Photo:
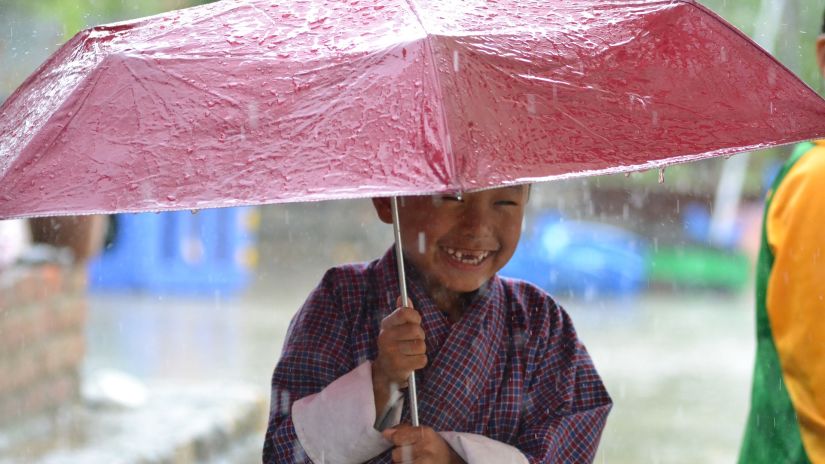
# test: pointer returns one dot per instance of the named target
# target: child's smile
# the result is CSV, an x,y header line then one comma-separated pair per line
x,y
459,243
466,257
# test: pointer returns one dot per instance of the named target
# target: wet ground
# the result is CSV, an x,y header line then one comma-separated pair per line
x,y
677,364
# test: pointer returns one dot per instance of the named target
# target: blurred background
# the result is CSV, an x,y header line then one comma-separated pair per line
x,y
152,337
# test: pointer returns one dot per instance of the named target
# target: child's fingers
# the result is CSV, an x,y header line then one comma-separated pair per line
x,y
415,362
399,305
405,434
405,333
401,316
412,347
405,454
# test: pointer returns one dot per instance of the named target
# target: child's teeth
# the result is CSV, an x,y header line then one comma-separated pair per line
x,y
468,258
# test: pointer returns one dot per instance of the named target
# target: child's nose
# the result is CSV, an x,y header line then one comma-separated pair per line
x,y
473,220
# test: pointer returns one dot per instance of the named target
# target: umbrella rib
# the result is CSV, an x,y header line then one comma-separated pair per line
x,y
74,113
448,148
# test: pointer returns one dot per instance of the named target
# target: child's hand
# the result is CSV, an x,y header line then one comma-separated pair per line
x,y
419,445
401,347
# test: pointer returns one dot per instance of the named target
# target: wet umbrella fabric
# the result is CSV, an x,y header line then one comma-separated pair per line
x,y
250,102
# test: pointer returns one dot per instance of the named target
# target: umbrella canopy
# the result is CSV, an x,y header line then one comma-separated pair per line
x,y
249,102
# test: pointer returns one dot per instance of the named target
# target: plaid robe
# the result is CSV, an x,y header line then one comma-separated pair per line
x,y
512,369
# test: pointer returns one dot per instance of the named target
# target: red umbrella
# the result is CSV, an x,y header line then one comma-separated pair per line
x,y
248,102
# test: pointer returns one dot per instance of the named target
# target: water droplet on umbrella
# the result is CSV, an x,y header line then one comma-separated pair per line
x,y
661,175
531,103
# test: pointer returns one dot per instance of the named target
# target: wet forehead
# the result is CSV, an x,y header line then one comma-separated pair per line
x,y
511,189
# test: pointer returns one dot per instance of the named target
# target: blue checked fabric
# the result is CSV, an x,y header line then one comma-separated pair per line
x,y
511,369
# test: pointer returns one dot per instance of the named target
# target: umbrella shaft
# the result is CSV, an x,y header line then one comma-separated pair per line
x,y
402,282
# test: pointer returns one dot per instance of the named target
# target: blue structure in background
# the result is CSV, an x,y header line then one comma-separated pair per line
x,y
179,252
584,259
696,218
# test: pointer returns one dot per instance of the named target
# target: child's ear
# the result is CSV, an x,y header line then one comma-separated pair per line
x,y
383,209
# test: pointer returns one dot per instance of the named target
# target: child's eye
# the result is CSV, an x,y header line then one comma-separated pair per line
x,y
451,198
506,203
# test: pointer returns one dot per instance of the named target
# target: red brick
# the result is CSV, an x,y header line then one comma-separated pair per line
x,y
6,299
11,408
34,398
24,371
50,393
42,338
75,281
52,277
11,331
64,389
69,313
29,287
24,326
63,352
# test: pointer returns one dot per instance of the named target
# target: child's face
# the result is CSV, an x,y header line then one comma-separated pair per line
x,y
460,244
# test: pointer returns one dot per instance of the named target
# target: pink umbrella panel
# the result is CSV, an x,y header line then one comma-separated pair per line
x,y
252,102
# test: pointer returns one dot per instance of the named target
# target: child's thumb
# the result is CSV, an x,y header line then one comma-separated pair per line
x,y
399,304
387,434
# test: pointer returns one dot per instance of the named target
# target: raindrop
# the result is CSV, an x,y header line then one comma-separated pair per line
x,y
298,454
455,61
285,402
406,453
422,242
771,76
531,103
661,175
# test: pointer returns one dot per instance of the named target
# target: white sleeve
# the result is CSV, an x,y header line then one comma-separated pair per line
x,y
337,424
478,449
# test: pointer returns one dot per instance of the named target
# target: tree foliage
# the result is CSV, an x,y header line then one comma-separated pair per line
x,y
75,15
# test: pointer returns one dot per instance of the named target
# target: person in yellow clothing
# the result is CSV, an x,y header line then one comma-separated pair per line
x,y
787,418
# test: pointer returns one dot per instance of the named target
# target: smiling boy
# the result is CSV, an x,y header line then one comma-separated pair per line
x,y
501,375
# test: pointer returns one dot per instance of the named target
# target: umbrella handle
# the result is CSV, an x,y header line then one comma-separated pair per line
x,y
405,300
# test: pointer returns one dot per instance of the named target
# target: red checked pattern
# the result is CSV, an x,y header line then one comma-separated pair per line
x,y
511,369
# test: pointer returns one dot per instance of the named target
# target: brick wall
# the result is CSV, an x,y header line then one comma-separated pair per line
x,y
42,340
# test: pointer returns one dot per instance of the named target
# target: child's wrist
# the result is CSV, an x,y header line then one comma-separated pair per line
x,y
380,387
379,379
